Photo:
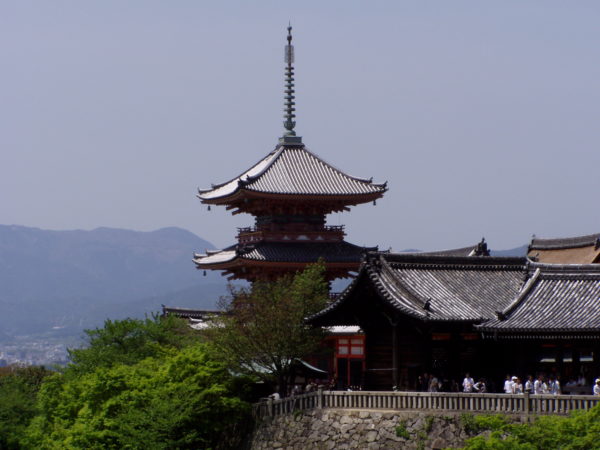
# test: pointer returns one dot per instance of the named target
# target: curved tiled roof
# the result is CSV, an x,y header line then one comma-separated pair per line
x,y
559,299
440,288
563,243
479,249
301,252
293,170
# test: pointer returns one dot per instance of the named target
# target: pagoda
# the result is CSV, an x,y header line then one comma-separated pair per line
x,y
289,192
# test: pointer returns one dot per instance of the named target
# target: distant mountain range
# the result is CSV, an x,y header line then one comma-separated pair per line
x,y
76,279
519,251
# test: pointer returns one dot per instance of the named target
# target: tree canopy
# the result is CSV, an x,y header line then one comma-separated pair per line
x,y
264,330
184,400
128,341
139,384
18,389
578,431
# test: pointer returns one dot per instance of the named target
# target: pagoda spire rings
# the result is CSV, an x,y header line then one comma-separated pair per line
x,y
289,135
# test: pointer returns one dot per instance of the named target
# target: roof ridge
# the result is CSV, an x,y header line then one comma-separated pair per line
x,y
566,242
574,269
272,154
455,261
525,290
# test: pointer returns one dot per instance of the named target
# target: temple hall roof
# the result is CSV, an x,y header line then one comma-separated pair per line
x,y
556,299
573,250
439,288
479,249
293,170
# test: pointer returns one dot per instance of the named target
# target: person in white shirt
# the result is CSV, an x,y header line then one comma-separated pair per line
x,y
545,387
518,386
554,386
529,385
480,386
596,390
538,387
508,385
468,383
433,384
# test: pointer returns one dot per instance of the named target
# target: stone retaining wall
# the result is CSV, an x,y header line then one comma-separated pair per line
x,y
361,429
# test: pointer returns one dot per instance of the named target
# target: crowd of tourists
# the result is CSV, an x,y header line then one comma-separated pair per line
x,y
548,385
542,384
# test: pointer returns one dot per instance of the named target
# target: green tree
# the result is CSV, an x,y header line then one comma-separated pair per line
x,y
18,390
180,399
129,341
264,330
578,431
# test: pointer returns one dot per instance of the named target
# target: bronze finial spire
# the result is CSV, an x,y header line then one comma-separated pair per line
x,y
289,136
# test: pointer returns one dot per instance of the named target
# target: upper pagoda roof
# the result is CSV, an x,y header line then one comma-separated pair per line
x,y
292,171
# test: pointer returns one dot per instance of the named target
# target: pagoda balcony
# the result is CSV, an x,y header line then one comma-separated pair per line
x,y
329,233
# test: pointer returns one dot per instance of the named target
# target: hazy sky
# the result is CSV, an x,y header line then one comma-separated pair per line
x,y
482,116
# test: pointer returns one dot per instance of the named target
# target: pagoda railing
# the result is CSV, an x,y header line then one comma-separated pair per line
x,y
256,234
326,228
523,404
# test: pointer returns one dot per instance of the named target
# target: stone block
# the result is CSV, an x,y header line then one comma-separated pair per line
x,y
371,436
345,419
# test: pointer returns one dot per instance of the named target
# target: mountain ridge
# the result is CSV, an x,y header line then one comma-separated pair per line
x,y
63,276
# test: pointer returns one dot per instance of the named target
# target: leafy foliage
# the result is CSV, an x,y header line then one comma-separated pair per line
x,y
401,431
578,431
264,330
177,401
140,384
18,389
129,341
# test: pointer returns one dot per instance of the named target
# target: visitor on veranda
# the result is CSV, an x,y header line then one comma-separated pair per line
x,y
468,383
529,385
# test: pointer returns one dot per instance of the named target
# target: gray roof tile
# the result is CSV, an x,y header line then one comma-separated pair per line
x,y
294,171
562,243
440,288
561,298
332,252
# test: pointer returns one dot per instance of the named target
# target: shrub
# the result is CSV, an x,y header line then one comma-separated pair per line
x,y
401,431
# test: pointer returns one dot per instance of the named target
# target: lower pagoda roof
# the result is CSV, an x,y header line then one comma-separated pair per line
x,y
281,252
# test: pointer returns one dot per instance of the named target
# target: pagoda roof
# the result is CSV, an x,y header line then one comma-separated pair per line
x,y
190,313
292,170
557,299
282,252
437,288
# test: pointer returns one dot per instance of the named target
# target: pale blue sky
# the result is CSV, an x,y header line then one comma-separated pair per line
x,y
482,116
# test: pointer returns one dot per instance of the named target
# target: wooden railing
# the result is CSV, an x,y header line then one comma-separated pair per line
x,y
523,404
